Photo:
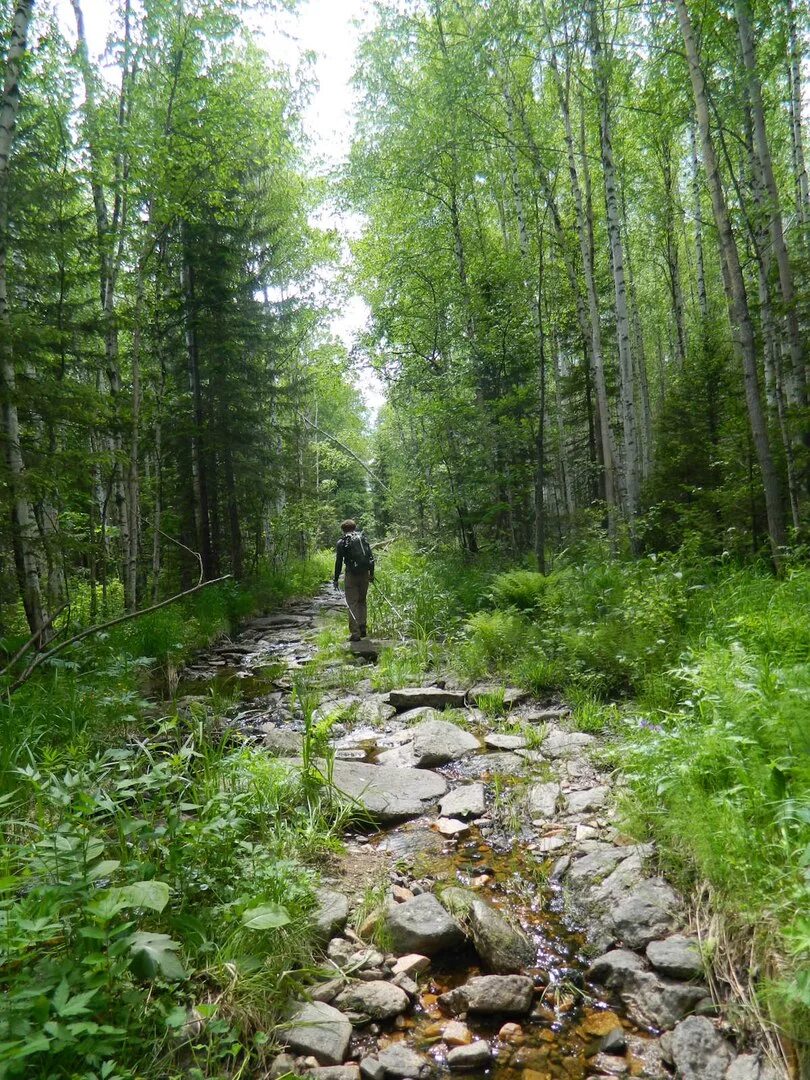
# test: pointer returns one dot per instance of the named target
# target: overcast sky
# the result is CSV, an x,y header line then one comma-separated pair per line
x,y
330,29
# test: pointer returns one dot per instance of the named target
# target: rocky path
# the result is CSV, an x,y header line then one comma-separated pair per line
x,y
518,934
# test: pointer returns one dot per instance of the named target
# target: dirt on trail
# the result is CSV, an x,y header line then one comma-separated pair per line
x,y
517,933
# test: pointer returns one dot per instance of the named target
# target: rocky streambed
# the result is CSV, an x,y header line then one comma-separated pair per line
x,y
516,933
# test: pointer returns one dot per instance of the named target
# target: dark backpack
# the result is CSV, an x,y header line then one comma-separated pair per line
x,y
357,552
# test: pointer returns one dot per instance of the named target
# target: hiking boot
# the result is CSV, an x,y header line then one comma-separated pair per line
x,y
363,632
354,637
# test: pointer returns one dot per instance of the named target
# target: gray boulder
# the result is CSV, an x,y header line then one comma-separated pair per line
x,y
502,947
491,994
464,801
651,1001
651,910
387,794
565,744
542,799
374,710
401,1062
335,1072
376,1000
501,763
320,1031
435,697
496,741
749,1067
331,913
512,695
436,742
699,1051
473,1056
677,956
582,802
422,926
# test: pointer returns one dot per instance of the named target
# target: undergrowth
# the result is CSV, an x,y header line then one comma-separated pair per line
x,y
156,875
698,671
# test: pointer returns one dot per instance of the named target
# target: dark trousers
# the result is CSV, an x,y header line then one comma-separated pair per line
x,y
356,592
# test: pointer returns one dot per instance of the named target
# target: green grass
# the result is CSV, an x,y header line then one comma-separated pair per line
x,y
697,672
156,876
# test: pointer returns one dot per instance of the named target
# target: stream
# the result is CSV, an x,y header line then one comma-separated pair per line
x,y
542,849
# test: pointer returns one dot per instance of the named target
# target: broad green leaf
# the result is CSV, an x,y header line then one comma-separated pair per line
x,y
153,955
265,917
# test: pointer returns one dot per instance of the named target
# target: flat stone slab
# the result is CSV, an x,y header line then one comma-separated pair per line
x,y
386,792
411,697
281,742
502,762
371,647
565,744
542,799
581,802
437,742
320,1031
512,695
496,741
464,801
491,994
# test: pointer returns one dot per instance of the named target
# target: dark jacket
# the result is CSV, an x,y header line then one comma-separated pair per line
x,y
340,558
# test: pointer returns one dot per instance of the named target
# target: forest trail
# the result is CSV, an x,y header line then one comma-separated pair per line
x,y
514,930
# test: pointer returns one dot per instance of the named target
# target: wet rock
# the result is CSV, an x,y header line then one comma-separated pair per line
x,y
411,964
399,1061
582,802
422,926
377,1000
374,711
542,799
489,994
335,1072
699,1051
349,954
511,1033
320,1030
464,801
437,742
432,696
609,1065
565,744
503,763
647,1054
677,956
502,947
546,844
331,913
455,1033
452,827
476,1055
372,1069
387,794
495,741
614,1041
651,1000
481,692
649,911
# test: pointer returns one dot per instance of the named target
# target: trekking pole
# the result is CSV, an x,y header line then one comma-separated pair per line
x,y
346,602
397,613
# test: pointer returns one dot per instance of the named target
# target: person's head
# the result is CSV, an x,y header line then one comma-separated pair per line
x,y
349,525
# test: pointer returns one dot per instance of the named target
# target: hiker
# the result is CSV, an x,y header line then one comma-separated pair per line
x,y
355,551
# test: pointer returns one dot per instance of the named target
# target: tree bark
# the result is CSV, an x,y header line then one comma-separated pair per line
x,y
797,384
736,297
796,128
703,302
23,521
626,379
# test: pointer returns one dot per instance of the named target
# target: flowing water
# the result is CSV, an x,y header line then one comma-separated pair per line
x,y
503,860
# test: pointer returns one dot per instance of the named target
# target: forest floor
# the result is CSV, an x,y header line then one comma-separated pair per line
x,y
486,912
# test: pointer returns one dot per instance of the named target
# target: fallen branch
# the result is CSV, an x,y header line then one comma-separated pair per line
x,y
42,657
348,450
20,653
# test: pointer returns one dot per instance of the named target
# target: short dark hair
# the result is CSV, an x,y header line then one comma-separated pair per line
x,y
349,525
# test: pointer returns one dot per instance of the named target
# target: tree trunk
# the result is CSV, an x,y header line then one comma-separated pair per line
x,y
736,297
202,521
671,243
797,384
626,379
23,521
796,129
703,302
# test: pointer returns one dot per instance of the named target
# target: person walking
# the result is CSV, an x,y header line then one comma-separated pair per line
x,y
354,550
